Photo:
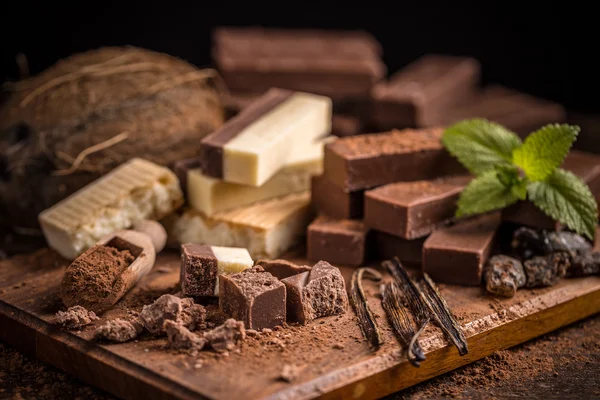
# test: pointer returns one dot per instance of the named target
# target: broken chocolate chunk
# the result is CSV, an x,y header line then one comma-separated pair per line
x,y
584,265
504,275
119,330
320,292
168,307
282,269
542,271
226,336
75,317
180,337
253,296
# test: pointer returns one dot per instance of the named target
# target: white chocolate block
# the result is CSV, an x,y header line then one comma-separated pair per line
x,y
136,190
267,228
231,260
209,195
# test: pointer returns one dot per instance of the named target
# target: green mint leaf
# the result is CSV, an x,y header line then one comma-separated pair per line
x,y
480,145
485,193
567,199
544,150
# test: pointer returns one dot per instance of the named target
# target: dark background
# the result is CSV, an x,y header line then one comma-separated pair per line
x,y
537,48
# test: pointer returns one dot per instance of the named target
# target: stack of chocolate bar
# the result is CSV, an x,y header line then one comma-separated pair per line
x,y
343,65
438,90
249,186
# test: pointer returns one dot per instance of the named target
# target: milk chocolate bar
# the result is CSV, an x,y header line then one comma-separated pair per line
x,y
201,266
210,196
584,165
320,292
412,210
346,125
253,296
386,247
338,241
458,253
334,201
136,190
335,64
251,147
366,161
267,228
516,111
281,269
422,89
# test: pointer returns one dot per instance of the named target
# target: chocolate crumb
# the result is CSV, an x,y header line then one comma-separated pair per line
x,y
180,337
252,332
119,330
290,373
169,307
75,317
226,336
338,346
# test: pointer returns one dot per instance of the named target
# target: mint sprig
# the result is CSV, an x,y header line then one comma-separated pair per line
x,y
507,170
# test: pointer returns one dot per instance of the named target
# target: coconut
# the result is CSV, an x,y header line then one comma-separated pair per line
x,y
91,112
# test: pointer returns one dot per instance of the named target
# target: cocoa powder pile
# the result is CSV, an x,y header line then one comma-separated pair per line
x,y
96,276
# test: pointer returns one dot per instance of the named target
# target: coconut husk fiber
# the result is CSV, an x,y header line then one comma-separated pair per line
x,y
91,112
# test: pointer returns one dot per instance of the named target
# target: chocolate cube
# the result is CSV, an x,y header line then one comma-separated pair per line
x,y
320,292
339,241
253,296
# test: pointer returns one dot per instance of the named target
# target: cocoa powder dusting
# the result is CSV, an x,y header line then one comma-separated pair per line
x,y
95,277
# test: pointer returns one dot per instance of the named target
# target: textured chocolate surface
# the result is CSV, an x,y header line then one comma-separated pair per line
x,y
211,147
334,201
386,246
413,209
318,293
338,241
254,297
458,253
282,269
199,270
367,161
517,111
423,89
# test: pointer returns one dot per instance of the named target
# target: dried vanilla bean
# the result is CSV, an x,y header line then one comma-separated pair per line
x,y
402,323
366,320
442,315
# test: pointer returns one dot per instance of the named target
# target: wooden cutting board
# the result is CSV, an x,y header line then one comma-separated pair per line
x,y
333,360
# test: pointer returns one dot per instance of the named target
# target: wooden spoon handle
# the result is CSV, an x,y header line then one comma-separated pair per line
x,y
156,232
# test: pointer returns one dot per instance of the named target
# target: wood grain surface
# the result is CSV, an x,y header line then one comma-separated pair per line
x,y
29,299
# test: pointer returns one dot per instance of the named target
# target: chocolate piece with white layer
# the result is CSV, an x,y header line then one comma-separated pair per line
x,y
412,210
317,293
253,296
201,266
338,241
282,269
458,253
422,90
334,201
251,147
366,161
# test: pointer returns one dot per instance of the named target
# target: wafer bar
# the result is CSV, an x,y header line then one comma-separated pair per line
x,y
338,241
136,190
423,89
366,161
251,147
517,111
334,201
412,210
267,228
458,253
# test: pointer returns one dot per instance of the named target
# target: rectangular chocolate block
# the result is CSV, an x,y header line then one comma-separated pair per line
x,y
422,89
346,125
253,296
282,269
388,246
584,165
320,292
517,111
457,254
201,266
334,64
412,210
267,228
334,201
251,147
366,161
338,241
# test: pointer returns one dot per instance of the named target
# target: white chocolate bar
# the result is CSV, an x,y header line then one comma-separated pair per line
x,y
136,190
267,228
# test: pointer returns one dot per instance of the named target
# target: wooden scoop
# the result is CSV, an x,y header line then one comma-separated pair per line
x,y
90,283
